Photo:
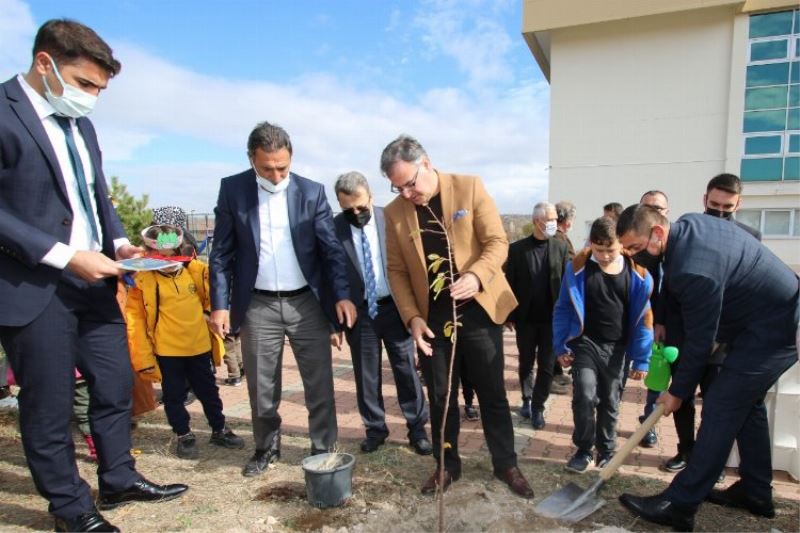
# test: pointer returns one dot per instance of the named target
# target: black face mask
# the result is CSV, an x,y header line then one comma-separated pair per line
x,y
358,220
645,258
719,214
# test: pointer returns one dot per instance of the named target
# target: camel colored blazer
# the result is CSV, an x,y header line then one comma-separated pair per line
x,y
480,246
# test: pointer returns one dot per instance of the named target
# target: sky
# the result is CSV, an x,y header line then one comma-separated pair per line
x,y
344,78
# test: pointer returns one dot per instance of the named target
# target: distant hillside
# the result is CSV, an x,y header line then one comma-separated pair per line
x,y
517,226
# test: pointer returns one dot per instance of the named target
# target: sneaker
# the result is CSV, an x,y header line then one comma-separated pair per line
x,y
676,464
525,409
227,439
579,462
471,413
603,458
233,382
187,447
650,438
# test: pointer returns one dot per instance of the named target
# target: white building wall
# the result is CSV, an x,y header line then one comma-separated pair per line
x,y
643,104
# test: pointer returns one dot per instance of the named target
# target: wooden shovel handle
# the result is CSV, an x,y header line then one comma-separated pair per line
x,y
611,468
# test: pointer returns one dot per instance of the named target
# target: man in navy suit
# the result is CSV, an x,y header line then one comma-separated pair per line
x,y
732,289
59,236
278,270
360,228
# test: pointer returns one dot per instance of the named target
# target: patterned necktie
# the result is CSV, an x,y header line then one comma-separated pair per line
x,y
369,277
80,177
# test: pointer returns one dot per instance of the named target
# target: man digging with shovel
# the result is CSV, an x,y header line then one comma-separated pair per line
x,y
731,288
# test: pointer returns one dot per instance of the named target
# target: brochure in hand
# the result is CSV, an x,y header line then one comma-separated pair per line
x,y
139,264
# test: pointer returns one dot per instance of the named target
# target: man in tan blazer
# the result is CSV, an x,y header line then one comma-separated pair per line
x,y
431,202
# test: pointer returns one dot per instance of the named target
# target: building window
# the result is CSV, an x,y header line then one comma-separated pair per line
x,y
771,126
772,222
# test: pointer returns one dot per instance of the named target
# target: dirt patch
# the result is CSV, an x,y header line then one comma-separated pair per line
x,y
385,498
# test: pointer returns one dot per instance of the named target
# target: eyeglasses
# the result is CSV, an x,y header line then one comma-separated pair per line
x,y
410,185
658,208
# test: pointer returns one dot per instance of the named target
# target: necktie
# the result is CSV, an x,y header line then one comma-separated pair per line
x,y
369,277
80,176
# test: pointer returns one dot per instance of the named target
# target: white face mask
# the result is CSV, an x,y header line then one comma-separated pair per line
x,y
268,186
550,228
73,102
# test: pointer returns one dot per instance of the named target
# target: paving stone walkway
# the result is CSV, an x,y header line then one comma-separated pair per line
x,y
553,443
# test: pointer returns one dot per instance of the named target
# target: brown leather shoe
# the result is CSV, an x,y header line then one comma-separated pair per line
x,y
430,486
516,482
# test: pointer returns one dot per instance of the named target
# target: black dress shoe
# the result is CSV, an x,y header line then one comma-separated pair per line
x,y
370,444
677,463
737,496
141,491
659,510
91,521
422,446
260,461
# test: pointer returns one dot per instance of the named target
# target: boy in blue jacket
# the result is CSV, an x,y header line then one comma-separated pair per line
x,y
602,313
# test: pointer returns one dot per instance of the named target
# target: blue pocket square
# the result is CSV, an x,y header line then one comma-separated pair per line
x,y
460,214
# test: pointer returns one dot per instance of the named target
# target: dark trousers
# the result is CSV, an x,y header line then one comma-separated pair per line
x,y
596,377
80,327
734,410
535,344
467,390
198,370
365,339
481,349
685,415
650,398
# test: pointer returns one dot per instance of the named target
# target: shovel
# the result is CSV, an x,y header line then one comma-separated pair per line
x,y
571,503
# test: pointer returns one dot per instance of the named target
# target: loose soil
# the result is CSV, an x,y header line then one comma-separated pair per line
x,y
385,498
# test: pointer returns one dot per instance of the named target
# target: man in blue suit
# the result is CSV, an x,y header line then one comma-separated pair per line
x,y
59,236
278,270
729,288
360,228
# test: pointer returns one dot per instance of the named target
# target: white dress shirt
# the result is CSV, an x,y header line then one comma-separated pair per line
x,y
278,268
371,231
81,232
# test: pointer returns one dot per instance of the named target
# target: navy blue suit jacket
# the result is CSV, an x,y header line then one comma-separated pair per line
x,y
730,287
237,240
354,274
35,212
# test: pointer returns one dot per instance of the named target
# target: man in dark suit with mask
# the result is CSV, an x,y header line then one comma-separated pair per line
x,y
361,229
59,236
731,288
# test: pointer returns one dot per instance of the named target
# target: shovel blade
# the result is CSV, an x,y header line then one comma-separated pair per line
x,y
561,504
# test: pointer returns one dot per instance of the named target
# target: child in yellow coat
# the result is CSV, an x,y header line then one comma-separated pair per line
x,y
170,340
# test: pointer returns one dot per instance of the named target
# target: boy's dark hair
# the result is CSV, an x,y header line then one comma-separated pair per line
x,y
66,41
640,219
725,182
268,137
603,231
614,208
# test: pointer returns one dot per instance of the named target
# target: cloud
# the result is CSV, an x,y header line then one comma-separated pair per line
x,y
335,124
17,29
465,31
